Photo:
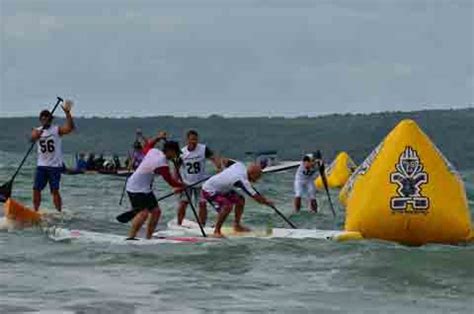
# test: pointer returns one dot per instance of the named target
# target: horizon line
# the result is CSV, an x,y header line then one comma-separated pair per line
x,y
224,116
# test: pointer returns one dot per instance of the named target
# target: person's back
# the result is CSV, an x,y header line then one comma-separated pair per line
x,y
219,190
225,181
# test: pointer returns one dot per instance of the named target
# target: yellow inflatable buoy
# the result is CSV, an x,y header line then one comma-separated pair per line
x,y
406,191
338,172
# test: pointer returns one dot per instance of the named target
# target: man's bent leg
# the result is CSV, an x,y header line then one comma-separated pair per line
x,y
181,211
239,210
221,217
202,213
153,221
137,223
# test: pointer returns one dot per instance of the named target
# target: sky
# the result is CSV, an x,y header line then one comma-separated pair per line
x,y
235,57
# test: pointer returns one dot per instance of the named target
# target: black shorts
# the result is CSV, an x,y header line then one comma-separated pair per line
x,y
142,201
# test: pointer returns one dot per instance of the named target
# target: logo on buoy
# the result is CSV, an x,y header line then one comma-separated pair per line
x,y
409,176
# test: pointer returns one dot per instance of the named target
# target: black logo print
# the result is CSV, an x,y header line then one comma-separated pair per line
x,y
409,176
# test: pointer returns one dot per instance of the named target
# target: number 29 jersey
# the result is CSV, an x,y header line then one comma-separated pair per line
x,y
49,148
193,167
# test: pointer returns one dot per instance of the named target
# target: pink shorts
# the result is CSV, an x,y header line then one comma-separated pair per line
x,y
222,200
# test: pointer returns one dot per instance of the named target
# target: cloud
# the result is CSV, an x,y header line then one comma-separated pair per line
x,y
28,26
244,57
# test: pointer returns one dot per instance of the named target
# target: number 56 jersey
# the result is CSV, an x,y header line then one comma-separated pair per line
x,y
49,148
193,168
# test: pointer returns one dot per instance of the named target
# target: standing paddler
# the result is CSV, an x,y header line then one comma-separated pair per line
x,y
193,169
220,190
140,186
304,182
50,155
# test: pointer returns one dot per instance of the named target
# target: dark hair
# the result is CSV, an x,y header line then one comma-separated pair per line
x,y
46,114
173,146
191,132
137,145
306,158
317,155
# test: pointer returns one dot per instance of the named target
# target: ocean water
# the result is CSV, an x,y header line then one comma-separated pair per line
x,y
238,275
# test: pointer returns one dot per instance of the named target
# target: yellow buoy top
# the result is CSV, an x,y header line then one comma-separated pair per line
x,y
338,172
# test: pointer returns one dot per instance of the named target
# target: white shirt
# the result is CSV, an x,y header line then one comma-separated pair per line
x,y
194,164
227,180
50,152
305,175
141,180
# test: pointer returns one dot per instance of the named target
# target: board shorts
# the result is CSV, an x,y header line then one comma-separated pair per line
x,y
195,195
45,175
303,188
220,200
141,201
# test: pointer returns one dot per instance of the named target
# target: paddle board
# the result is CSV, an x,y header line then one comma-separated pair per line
x,y
83,236
284,165
189,227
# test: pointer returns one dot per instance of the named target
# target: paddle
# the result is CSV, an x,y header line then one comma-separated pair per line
x,y
130,165
190,201
322,173
277,211
6,189
129,215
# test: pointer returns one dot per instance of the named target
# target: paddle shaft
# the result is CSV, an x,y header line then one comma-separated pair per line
x,y
187,187
60,100
126,180
278,212
186,192
322,172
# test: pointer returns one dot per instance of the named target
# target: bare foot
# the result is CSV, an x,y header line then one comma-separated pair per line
x,y
240,228
218,235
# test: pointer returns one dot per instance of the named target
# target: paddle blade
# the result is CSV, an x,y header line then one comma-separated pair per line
x,y
5,191
127,216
